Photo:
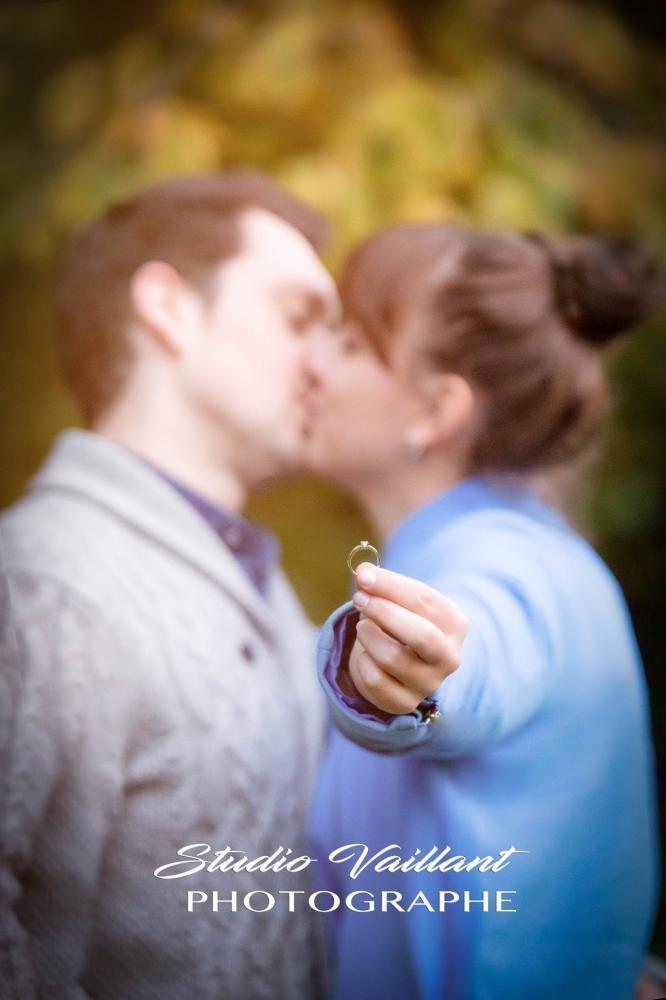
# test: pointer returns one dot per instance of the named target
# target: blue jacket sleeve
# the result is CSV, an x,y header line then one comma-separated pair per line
x,y
357,718
504,676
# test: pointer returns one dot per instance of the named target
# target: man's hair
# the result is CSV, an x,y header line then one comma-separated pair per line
x,y
191,223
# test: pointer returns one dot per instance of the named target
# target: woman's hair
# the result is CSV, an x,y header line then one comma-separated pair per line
x,y
519,316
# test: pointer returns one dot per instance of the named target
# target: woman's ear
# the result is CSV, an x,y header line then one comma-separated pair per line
x,y
450,409
164,304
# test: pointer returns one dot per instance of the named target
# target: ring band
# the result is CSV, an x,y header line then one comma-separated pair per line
x,y
362,547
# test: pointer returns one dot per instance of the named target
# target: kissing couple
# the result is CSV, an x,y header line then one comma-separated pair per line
x,y
162,687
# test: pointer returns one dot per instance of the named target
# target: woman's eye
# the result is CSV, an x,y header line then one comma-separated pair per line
x,y
349,344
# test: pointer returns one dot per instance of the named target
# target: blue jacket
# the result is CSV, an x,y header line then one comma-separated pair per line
x,y
542,744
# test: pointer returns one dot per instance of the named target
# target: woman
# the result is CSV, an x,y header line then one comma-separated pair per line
x,y
467,369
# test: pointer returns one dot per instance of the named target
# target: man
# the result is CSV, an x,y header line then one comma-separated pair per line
x,y
158,684
161,692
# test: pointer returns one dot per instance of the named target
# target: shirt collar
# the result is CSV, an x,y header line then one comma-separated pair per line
x,y
255,548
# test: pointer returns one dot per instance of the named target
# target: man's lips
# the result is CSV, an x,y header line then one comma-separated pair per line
x,y
310,404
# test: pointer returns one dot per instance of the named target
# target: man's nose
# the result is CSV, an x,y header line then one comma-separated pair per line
x,y
316,350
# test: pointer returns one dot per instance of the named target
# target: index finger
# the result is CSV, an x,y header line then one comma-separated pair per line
x,y
414,595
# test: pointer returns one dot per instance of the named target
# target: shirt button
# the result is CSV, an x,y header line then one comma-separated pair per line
x,y
247,652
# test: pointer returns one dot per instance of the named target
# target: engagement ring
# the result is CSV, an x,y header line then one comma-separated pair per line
x,y
362,547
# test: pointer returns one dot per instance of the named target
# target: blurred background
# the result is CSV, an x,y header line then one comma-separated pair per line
x,y
505,113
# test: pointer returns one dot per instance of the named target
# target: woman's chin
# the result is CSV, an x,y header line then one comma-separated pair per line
x,y
317,460
322,461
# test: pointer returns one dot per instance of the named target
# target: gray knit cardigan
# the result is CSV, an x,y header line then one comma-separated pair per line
x,y
149,699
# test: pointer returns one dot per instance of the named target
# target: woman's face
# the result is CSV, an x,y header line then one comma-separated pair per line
x,y
361,408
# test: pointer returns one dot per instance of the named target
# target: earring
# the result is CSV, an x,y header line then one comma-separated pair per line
x,y
414,447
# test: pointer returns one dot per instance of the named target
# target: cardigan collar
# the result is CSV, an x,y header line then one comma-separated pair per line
x,y
110,476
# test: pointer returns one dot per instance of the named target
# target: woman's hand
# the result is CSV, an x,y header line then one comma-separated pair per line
x,y
409,638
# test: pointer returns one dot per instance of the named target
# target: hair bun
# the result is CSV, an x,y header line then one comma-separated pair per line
x,y
603,287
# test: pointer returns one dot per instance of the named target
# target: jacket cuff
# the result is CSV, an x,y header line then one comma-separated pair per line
x,y
355,717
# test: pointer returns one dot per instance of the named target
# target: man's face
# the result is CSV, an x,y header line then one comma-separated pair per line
x,y
247,369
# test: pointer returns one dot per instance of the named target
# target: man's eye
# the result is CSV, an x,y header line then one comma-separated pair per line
x,y
298,321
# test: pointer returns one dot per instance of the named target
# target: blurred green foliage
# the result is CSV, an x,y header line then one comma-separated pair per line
x,y
500,112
